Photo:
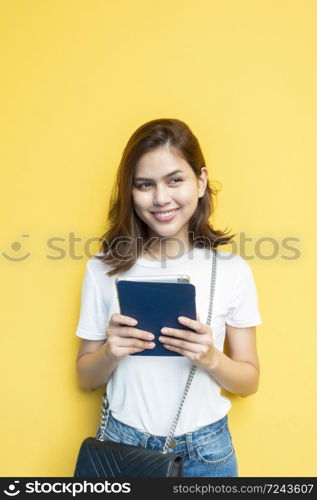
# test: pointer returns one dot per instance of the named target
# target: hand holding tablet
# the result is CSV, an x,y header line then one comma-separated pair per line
x,y
157,304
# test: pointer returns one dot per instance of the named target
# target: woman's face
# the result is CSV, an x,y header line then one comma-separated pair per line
x,y
162,189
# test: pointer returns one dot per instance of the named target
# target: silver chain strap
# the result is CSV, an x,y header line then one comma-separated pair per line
x,y
105,404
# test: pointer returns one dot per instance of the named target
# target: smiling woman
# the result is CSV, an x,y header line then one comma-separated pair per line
x,y
163,198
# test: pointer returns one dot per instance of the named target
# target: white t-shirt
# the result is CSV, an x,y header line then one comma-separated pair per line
x,y
145,391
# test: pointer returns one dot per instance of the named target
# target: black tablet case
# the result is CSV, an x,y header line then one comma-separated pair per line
x,y
155,305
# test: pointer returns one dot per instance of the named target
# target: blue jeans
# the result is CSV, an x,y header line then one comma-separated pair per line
x,y
208,452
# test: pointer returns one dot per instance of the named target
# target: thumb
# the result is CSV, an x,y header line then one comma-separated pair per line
x,y
198,317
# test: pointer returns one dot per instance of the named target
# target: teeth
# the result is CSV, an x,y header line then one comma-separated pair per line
x,y
166,214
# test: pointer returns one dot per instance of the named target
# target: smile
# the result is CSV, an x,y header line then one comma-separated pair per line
x,y
164,216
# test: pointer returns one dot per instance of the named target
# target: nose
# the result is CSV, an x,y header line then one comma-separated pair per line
x,y
161,196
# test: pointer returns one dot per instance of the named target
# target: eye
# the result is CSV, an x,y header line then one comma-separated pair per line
x,y
145,183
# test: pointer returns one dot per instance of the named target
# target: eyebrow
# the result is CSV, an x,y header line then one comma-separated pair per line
x,y
168,175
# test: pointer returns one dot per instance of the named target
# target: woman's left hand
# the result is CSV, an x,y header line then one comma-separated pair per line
x,y
196,346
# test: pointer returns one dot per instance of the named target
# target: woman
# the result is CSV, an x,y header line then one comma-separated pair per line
x,y
159,225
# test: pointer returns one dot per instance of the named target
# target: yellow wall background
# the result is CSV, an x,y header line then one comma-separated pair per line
x,y
77,78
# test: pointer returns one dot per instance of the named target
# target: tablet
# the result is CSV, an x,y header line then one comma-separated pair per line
x,y
154,305
168,278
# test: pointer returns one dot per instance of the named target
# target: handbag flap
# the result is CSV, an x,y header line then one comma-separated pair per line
x,y
111,459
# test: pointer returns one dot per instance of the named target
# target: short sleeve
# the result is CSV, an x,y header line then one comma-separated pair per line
x,y
93,311
243,308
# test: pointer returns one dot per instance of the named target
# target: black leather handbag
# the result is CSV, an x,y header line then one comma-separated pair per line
x,y
102,458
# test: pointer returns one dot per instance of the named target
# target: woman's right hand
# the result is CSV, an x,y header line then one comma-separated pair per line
x,y
123,338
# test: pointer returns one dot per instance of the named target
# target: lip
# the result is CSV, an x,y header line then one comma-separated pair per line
x,y
166,219
164,211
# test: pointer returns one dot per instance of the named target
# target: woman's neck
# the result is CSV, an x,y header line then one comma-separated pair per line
x,y
164,252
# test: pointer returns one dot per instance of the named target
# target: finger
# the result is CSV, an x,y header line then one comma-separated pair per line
x,y
198,317
133,332
140,344
183,334
122,351
120,319
182,344
190,355
193,324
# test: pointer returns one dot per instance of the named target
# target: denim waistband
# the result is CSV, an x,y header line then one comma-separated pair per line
x,y
201,436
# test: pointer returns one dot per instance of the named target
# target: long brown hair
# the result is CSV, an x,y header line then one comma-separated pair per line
x,y
126,227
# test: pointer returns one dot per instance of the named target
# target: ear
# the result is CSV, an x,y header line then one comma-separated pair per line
x,y
202,181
